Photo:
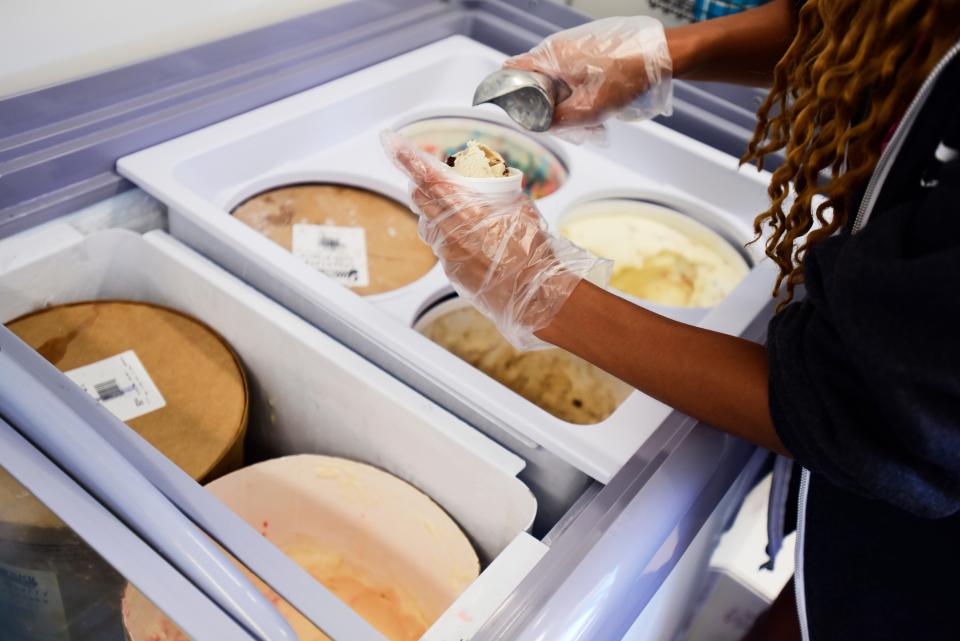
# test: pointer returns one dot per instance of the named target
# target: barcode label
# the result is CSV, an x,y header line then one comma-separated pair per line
x,y
338,252
121,384
107,390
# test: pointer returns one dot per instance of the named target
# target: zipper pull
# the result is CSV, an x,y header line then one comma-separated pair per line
x,y
942,156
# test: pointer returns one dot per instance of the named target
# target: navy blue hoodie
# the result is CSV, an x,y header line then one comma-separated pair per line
x,y
865,393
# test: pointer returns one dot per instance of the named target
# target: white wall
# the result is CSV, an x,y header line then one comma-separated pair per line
x,y
605,8
43,42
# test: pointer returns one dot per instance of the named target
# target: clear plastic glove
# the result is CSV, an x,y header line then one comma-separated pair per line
x,y
494,248
615,67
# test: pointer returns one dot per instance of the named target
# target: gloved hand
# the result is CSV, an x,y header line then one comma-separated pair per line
x,y
494,248
615,67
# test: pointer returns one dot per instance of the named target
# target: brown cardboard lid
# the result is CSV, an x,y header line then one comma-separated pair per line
x,y
201,428
395,254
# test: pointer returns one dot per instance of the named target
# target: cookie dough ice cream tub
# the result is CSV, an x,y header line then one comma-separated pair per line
x,y
558,382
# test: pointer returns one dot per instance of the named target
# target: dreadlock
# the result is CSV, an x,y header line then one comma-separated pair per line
x,y
848,75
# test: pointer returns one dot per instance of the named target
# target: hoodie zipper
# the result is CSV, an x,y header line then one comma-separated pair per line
x,y
798,586
896,142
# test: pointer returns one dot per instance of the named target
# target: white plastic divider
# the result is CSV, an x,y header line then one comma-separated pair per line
x,y
329,133
479,601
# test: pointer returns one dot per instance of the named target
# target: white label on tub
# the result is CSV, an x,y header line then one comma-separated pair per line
x,y
30,600
338,252
121,384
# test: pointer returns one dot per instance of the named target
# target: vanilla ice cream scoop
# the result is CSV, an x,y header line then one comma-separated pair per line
x,y
477,160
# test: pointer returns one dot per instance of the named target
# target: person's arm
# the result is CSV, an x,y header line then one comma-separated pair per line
x,y
500,257
742,48
622,66
719,379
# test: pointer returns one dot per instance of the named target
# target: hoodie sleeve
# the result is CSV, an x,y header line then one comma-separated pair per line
x,y
865,371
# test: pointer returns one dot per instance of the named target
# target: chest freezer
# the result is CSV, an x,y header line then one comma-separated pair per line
x,y
311,394
578,534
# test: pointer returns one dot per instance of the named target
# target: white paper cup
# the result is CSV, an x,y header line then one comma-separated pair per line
x,y
512,183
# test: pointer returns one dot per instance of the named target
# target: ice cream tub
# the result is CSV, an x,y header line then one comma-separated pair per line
x,y
378,543
558,382
364,239
170,377
661,255
173,380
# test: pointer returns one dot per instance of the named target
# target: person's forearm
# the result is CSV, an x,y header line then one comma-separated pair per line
x,y
713,377
742,48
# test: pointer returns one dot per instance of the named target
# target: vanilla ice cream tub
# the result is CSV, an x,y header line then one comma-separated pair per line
x,y
660,255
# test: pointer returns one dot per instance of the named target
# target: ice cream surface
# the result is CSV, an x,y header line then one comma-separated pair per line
x,y
477,160
392,611
678,265
388,608
382,547
564,385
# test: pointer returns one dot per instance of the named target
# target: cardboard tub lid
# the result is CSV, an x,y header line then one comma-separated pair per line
x,y
396,256
202,425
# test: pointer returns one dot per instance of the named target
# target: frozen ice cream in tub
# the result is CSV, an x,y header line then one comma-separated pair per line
x,y
484,170
379,544
660,255
558,382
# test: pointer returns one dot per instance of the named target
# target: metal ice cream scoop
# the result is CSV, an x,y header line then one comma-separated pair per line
x,y
527,96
